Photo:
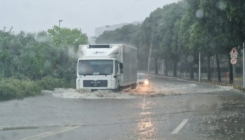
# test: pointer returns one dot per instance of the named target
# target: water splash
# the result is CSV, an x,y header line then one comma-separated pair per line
x,y
87,94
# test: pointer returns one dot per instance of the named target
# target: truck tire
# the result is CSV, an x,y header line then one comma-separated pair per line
x,y
117,89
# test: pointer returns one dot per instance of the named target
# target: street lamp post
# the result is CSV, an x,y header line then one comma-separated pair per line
x,y
107,27
10,29
60,22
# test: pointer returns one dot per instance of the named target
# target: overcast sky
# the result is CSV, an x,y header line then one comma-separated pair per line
x,y
37,15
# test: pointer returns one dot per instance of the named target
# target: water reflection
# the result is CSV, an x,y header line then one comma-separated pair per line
x,y
228,121
145,128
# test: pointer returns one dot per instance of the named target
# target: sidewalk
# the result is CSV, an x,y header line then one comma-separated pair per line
x,y
238,83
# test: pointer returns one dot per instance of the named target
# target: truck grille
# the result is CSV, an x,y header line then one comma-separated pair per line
x,y
95,83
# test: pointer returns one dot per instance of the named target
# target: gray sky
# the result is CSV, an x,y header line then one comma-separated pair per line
x,y
37,15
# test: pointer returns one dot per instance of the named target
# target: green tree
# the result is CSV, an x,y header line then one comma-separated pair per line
x,y
171,44
123,35
67,37
219,34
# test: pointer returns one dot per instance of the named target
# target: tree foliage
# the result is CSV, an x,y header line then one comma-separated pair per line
x,y
186,28
66,36
34,56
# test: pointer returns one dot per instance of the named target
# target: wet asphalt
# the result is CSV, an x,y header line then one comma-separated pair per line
x,y
190,111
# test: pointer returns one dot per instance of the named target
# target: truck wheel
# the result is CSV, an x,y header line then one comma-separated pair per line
x,y
117,89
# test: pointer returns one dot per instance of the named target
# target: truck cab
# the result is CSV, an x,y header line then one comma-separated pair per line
x,y
101,67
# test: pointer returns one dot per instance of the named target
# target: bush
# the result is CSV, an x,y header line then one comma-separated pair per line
x,y
15,88
50,83
11,88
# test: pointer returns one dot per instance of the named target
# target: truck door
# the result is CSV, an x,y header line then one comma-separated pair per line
x,y
117,73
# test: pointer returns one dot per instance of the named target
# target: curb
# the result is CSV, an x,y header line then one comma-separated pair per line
x,y
5,128
238,87
18,127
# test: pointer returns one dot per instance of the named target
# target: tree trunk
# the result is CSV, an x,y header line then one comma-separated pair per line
x,y
191,71
209,69
218,67
175,69
166,67
231,81
156,67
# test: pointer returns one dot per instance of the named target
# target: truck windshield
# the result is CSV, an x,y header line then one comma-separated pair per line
x,y
95,67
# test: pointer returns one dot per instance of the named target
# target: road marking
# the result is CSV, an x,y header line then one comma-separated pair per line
x,y
143,106
181,125
46,134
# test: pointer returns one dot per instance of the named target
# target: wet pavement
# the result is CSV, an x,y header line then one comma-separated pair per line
x,y
170,109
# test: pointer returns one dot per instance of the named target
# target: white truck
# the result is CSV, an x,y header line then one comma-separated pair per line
x,y
106,67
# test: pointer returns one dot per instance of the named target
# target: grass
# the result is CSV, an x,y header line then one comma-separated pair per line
x,y
12,88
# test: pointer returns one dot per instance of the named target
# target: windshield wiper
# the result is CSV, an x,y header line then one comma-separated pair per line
x,y
104,74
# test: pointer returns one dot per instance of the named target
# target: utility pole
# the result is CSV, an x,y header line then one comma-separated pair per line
x,y
150,49
199,71
149,58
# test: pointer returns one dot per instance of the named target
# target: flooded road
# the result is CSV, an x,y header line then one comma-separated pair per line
x,y
168,109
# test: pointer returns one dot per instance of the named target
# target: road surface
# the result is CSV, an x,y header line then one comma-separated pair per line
x,y
171,109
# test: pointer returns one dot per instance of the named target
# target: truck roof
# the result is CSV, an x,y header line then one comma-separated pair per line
x,y
101,50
